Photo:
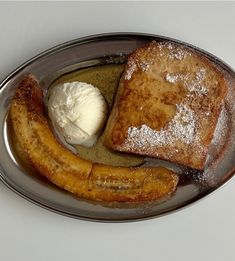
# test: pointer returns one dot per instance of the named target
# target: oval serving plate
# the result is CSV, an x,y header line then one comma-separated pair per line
x,y
98,50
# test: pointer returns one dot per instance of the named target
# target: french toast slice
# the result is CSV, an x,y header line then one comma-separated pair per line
x,y
167,105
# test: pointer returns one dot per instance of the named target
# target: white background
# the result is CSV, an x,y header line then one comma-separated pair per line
x,y
204,231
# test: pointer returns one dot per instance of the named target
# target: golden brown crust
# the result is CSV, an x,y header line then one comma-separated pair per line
x,y
70,172
167,104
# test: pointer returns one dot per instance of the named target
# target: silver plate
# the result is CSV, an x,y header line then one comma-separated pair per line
x,y
102,49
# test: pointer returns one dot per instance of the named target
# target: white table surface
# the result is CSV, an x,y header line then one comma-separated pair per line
x,y
204,231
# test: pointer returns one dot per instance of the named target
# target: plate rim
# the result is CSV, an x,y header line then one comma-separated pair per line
x,y
94,37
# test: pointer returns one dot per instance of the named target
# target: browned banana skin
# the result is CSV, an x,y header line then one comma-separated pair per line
x,y
81,177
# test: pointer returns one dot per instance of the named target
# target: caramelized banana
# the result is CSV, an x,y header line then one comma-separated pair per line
x,y
63,168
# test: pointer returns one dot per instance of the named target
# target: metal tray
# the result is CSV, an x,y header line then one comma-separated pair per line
x,y
96,50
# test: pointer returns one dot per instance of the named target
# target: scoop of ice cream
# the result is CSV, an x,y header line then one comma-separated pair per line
x,y
79,111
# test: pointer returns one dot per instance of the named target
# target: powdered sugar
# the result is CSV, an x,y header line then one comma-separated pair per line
x,y
175,52
182,127
221,127
174,77
144,66
184,124
132,67
196,85
178,54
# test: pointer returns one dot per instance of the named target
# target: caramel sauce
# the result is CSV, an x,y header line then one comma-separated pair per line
x,y
106,78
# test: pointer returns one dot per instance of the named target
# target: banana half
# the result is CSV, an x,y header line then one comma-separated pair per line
x,y
83,178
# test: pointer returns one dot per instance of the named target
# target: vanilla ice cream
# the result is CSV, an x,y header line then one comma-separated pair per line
x,y
79,111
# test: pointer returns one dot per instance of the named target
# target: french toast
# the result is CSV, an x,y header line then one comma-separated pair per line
x,y
67,170
167,104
